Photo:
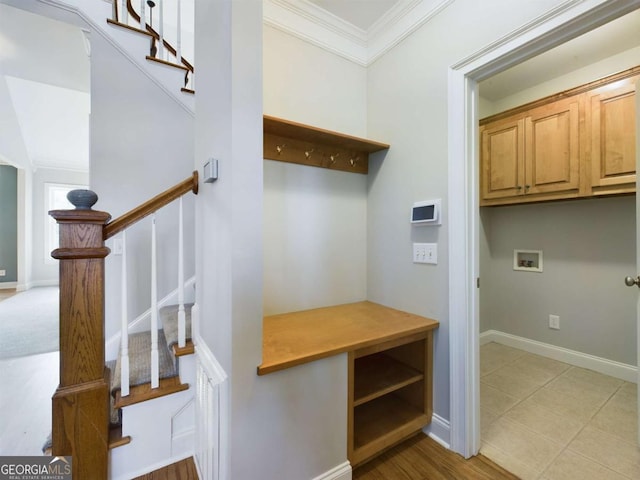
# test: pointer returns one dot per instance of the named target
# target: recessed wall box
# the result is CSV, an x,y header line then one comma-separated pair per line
x,y
527,260
426,213
210,171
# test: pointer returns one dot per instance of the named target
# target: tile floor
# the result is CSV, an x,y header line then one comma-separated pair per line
x,y
544,419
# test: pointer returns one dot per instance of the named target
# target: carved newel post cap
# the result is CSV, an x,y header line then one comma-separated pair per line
x,y
82,199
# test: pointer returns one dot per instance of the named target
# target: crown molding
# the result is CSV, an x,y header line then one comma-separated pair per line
x,y
305,20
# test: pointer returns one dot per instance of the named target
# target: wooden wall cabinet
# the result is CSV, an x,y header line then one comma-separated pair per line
x,y
532,154
574,144
390,394
502,156
612,119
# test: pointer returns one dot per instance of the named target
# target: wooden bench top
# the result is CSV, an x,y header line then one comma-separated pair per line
x,y
291,339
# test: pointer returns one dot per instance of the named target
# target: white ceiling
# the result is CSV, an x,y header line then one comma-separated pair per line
x,y
361,13
45,65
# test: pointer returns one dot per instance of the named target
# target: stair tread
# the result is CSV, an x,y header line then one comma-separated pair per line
x,y
128,27
167,63
144,392
116,439
182,470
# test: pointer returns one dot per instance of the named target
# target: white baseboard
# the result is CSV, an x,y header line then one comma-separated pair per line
x,y
612,368
341,472
23,287
440,430
53,282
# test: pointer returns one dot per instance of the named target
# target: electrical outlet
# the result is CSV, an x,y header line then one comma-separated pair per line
x,y
554,322
3,273
118,246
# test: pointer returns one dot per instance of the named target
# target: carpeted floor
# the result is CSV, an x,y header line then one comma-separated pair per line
x,y
29,323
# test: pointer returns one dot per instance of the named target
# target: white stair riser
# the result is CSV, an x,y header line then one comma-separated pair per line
x,y
154,443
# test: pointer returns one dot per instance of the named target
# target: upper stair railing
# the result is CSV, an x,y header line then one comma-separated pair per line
x,y
120,225
80,425
168,31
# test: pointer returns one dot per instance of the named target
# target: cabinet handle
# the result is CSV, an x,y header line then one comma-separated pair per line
x,y
519,187
527,187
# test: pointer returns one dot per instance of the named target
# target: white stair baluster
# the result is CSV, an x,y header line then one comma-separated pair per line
x,y
181,314
155,367
161,30
124,329
179,34
143,19
124,13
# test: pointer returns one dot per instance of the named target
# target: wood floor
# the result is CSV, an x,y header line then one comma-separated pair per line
x,y
182,470
421,458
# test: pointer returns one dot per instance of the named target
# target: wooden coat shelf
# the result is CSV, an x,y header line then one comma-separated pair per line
x,y
287,141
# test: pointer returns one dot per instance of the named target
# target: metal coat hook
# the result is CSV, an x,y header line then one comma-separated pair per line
x,y
353,161
280,148
308,153
332,158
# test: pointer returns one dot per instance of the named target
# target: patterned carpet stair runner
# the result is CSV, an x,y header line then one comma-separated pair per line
x,y
140,353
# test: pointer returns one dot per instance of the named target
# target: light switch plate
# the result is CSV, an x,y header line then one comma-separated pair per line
x,y
425,253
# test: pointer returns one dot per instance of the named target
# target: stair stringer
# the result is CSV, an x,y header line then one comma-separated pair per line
x,y
95,14
162,430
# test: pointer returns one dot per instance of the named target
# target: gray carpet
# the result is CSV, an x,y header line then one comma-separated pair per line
x,y
140,360
169,317
29,323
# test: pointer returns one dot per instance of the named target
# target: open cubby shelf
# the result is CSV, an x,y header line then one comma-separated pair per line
x,y
390,394
380,374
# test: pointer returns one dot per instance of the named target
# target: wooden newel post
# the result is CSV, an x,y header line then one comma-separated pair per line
x,y
81,402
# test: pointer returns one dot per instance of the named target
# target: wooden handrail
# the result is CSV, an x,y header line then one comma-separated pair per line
x,y
150,206
156,35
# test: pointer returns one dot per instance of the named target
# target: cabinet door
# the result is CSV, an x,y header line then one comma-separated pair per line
x,y
613,145
552,148
502,152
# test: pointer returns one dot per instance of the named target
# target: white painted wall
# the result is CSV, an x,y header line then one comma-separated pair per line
x,y
588,250
407,107
14,152
25,228
12,147
617,63
287,425
314,219
307,84
141,144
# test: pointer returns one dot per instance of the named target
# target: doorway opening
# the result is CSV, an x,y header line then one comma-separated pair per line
x,y
558,27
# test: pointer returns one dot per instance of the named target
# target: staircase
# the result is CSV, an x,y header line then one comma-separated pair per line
x,y
164,407
137,414
158,48
125,414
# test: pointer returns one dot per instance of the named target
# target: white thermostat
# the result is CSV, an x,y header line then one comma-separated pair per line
x,y
426,213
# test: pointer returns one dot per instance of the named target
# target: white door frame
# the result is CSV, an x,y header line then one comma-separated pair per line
x,y
564,22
